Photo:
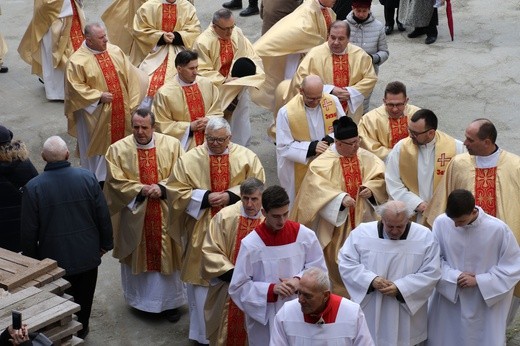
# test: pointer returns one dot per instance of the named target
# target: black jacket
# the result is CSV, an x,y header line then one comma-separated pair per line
x,y
65,217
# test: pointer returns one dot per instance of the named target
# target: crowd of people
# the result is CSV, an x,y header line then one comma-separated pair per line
x,y
384,230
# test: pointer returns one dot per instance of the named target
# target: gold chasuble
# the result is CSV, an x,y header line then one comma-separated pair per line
x,y
340,74
379,133
329,176
169,19
195,104
117,120
118,19
175,107
298,32
300,127
501,184
88,75
142,233
66,34
193,171
445,149
486,189
224,320
152,218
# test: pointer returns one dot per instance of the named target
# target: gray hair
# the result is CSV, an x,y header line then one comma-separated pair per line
x,y
223,13
90,26
217,123
393,207
251,185
321,278
55,149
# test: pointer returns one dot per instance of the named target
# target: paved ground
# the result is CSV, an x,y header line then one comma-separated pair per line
x,y
476,75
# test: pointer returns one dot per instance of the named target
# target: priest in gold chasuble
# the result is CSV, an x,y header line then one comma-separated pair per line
x,y
203,181
339,191
138,167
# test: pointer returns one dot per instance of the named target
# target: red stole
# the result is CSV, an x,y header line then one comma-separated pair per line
x,y
152,228
352,177
117,121
226,56
169,20
486,189
287,235
220,175
236,331
195,104
398,129
340,73
328,18
329,314
76,32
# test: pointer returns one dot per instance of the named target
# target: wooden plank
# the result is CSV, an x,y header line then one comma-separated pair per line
x,y
77,341
62,332
31,308
10,267
57,273
17,258
28,274
57,286
16,297
52,315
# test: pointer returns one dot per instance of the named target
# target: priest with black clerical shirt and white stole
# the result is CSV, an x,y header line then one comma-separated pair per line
x,y
270,263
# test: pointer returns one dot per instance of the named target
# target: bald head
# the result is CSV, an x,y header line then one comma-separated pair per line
x,y
481,136
312,90
55,149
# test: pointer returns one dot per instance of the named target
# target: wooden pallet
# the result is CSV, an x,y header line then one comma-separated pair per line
x,y
18,272
43,312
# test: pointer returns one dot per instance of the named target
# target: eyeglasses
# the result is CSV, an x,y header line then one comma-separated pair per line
x,y
415,133
229,28
395,105
353,143
219,140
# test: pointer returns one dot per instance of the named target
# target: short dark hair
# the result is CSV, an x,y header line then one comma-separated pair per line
x,y
251,185
185,57
430,119
143,113
395,88
487,130
341,23
223,13
274,197
460,202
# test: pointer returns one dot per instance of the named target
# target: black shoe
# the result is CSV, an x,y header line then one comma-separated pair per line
x,y
172,315
400,27
249,11
4,69
389,29
233,5
416,33
82,334
430,39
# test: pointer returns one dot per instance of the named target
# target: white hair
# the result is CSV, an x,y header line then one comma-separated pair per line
x,y
393,207
217,123
321,278
55,149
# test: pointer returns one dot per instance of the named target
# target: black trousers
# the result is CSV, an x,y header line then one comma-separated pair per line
x,y
390,11
431,29
83,286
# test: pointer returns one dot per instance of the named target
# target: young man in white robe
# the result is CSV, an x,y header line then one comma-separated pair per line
x,y
270,263
480,268
390,267
319,317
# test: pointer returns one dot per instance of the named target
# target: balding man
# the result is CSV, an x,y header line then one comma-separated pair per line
x,y
390,267
304,125
65,217
319,317
491,174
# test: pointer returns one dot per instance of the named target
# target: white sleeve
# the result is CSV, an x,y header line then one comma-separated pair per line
x,y
332,213
278,335
194,207
286,147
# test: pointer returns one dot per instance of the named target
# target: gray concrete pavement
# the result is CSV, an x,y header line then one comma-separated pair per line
x,y
477,75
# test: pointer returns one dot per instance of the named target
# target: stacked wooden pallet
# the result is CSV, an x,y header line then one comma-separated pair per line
x,y
37,291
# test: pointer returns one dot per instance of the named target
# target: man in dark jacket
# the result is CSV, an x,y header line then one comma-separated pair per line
x,y
65,217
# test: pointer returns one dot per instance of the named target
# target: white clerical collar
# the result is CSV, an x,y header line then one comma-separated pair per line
x,y
84,44
429,146
149,145
243,213
476,223
488,161
183,83
212,153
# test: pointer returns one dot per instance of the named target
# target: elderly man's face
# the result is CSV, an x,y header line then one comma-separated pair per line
x,y
224,27
142,129
311,299
394,225
97,40
348,147
252,203
217,140
338,40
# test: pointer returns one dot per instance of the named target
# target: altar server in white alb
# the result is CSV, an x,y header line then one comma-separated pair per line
x,y
319,317
480,268
390,267
270,263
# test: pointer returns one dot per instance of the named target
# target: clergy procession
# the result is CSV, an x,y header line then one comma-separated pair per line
x,y
351,221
